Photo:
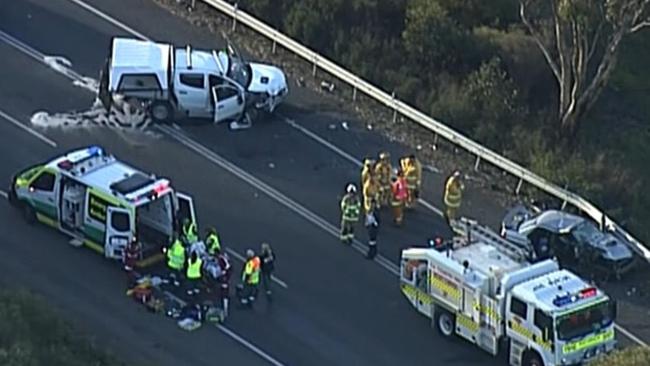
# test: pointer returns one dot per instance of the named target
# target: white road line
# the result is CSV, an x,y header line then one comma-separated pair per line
x,y
391,267
270,191
110,19
345,155
4,194
241,258
27,129
629,334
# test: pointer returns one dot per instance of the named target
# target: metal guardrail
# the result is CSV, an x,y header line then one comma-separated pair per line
x,y
399,107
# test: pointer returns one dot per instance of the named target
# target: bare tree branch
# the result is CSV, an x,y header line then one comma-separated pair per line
x,y
538,39
639,26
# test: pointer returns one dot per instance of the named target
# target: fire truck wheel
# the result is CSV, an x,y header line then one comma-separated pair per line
x,y
161,111
445,323
531,358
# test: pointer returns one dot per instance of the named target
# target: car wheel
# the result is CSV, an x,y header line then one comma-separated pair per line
x,y
161,111
445,323
29,214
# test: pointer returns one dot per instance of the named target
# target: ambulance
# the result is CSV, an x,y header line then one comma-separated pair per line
x,y
102,203
481,288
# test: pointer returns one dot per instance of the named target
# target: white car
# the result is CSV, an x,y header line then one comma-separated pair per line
x,y
183,81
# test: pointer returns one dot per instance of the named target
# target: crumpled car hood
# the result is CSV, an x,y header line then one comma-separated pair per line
x,y
267,78
614,248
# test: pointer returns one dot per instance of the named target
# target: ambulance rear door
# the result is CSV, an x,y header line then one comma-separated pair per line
x,y
184,209
119,231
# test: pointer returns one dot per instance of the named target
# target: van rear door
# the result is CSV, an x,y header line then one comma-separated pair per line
x,y
185,209
119,231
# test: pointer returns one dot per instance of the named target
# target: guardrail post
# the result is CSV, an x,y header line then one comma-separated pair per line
x,y
354,92
313,70
478,161
193,4
521,181
234,18
274,43
394,109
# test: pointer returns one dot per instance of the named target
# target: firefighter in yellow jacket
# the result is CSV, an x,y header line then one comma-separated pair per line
x,y
453,195
413,173
383,171
370,192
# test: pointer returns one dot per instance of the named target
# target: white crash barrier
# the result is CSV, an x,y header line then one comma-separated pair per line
x,y
399,107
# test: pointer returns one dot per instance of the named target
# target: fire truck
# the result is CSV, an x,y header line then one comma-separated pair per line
x,y
483,288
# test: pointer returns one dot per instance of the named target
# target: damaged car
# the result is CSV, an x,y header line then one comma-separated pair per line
x,y
574,240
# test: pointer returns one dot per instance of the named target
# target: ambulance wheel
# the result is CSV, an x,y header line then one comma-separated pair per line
x,y
161,111
445,322
29,214
531,358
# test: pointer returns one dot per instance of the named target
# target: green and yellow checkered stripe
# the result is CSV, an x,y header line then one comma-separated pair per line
x,y
529,334
467,322
443,285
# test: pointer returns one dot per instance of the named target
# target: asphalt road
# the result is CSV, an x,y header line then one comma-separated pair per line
x,y
338,308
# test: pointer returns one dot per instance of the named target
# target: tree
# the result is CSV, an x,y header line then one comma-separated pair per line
x,y
580,40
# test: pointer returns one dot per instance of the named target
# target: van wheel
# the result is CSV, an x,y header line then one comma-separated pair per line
x,y
161,111
531,358
29,214
445,322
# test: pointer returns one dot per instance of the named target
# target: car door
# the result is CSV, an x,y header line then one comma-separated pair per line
x,y
119,231
192,93
184,209
228,101
43,196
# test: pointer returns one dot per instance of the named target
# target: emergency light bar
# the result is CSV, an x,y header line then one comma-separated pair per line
x,y
79,156
586,293
161,187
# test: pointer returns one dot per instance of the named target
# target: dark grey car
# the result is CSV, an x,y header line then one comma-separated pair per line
x,y
574,240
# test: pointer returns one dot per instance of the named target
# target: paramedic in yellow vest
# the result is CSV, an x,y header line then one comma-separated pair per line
x,y
190,233
212,242
383,170
250,277
176,255
367,170
370,193
453,195
193,273
350,213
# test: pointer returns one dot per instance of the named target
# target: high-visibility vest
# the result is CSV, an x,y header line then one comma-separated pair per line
x,y
402,191
399,192
252,271
176,256
351,208
189,231
194,269
213,243
453,193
